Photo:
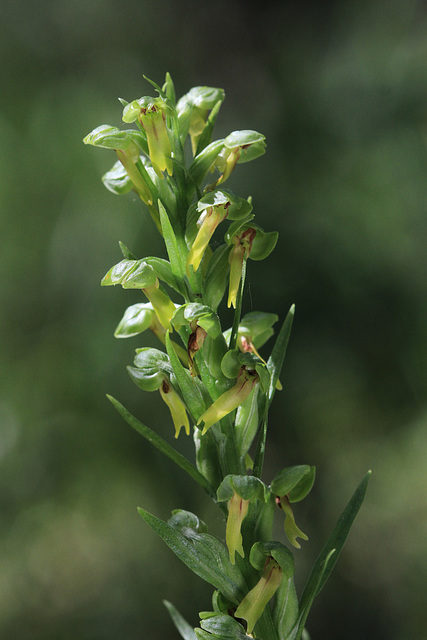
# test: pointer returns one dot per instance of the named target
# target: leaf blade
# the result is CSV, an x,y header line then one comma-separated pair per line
x,y
185,630
328,556
203,554
162,445
277,357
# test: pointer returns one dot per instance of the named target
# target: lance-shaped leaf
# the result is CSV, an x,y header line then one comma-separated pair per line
x,y
204,555
238,491
152,372
185,630
276,562
163,446
168,88
176,257
202,163
329,554
247,422
216,277
277,357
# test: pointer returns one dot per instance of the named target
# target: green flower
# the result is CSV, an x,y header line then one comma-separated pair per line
x,y
176,407
138,274
230,400
239,491
151,114
239,147
254,603
276,562
292,485
193,110
242,245
152,371
214,207
247,241
127,150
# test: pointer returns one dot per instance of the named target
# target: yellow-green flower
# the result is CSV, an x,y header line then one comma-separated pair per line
x,y
254,603
291,529
210,219
240,252
176,407
230,399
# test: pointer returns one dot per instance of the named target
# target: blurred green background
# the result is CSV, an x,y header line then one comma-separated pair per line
x,y
340,91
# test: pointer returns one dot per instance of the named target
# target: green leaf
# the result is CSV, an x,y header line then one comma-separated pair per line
x,y
216,277
185,630
329,554
204,555
206,135
275,361
127,253
190,391
163,271
203,162
176,257
285,610
168,88
162,445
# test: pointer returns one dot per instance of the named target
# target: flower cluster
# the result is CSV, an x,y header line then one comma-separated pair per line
x,y
212,378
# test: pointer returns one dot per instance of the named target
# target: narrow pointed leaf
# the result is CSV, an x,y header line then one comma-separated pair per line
x,y
204,555
298,630
185,630
176,257
162,445
275,361
326,560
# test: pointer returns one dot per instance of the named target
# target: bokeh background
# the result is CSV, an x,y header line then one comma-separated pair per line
x,y
340,91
